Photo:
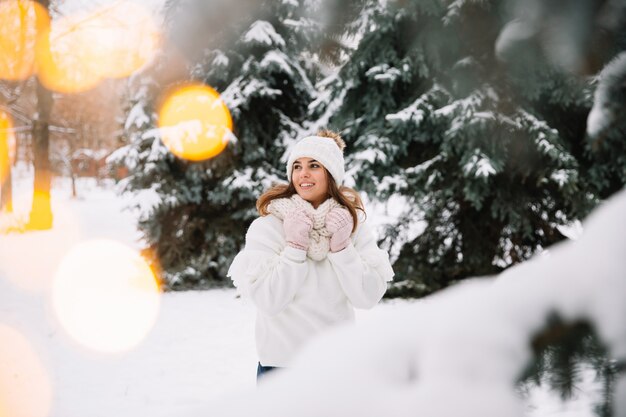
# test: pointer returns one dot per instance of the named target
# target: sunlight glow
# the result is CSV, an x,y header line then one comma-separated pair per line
x,y
25,389
7,145
112,41
105,296
195,123
20,23
41,214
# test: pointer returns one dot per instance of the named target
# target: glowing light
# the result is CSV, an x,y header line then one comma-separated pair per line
x,y
25,389
105,296
7,145
64,59
41,213
20,23
195,123
126,38
109,42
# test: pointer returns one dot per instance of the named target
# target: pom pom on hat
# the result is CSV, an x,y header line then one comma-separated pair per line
x,y
322,149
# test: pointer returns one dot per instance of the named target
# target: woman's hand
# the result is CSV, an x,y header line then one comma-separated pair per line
x,y
339,224
297,226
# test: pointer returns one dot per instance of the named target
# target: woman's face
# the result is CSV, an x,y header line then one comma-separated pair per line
x,y
311,180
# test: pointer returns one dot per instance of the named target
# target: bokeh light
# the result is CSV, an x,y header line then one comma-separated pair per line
x,y
64,60
112,41
20,24
41,215
25,389
195,123
105,296
127,37
7,145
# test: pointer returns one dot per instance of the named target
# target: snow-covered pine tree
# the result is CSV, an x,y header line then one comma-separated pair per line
x,y
584,38
486,165
254,58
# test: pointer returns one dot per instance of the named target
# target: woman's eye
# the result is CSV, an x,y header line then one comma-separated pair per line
x,y
314,166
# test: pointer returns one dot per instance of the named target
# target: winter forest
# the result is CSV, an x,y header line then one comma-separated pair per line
x,y
487,139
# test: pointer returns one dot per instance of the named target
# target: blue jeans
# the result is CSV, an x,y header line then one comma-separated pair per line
x,y
262,370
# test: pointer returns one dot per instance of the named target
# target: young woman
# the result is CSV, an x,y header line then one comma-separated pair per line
x,y
310,258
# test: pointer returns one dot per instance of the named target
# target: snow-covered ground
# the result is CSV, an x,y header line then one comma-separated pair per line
x,y
200,348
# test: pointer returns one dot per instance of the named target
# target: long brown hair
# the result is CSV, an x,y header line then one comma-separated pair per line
x,y
346,196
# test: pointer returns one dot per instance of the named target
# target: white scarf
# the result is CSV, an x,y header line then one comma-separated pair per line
x,y
319,237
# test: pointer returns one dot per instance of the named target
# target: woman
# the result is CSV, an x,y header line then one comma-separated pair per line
x,y
310,258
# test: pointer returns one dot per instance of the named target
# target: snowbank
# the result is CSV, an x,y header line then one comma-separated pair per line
x,y
460,351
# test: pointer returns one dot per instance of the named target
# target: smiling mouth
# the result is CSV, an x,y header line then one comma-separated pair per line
x,y
306,185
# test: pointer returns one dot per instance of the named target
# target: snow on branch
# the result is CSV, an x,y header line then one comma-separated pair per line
x,y
276,61
137,117
262,33
460,351
479,165
608,104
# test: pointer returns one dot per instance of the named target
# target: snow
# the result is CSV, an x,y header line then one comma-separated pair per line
x,y
551,405
220,60
391,212
241,89
329,104
562,176
276,61
292,3
188,131
424,166
384,73
263,33
573,230
412,112
201,347
370,155
460,351
137,117
514,33
300,23
402,358
608,98
448,110
480,165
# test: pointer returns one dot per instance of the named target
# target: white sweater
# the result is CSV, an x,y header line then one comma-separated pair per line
x,y
297,297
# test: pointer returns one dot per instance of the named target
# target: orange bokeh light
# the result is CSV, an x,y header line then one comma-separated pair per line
x,y
20,23
64,58
126,37
195,123
7,145
105,296
41,217
112,41
25,389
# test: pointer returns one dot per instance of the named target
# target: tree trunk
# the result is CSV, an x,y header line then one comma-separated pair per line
x,y
6,193
6,189
41,211
74,194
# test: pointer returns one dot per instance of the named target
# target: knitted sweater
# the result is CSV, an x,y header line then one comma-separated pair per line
x,y
298,297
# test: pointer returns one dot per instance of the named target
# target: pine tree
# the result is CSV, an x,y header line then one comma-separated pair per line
x,y
255,61
489,157
488,160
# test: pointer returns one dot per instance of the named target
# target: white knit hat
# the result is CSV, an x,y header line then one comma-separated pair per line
x,y
322,149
